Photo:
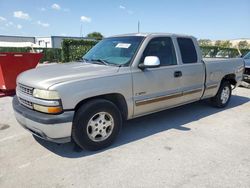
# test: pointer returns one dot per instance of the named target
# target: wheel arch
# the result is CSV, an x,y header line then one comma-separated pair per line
x,y
231,78
117,98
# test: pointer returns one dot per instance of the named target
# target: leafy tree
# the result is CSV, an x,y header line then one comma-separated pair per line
x,y
226,44
95,35
218,43
223,44
243,45
205,42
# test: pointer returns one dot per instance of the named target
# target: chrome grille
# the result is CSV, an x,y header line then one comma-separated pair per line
x,y
25,89
26,103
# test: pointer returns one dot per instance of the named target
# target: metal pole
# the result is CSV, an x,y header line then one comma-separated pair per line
x,y
81,31
138,26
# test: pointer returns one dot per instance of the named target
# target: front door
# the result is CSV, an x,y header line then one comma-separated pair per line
x,y
157,88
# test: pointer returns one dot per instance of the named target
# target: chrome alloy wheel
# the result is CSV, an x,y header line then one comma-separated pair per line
x,y
100,126
225,95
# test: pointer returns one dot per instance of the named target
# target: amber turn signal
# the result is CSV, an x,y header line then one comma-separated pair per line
x,y
48,109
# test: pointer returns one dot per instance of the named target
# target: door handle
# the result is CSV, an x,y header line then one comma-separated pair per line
x,y
177,74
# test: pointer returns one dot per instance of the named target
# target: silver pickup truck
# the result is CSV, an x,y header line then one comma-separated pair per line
x,y
121,78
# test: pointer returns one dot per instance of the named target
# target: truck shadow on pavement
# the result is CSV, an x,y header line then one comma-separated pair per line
x,y
139,128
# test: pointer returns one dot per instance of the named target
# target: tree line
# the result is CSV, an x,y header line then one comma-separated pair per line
x,y
224,43
202,42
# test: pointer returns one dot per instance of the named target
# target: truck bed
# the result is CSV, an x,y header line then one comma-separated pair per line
x,y
208,60
217,68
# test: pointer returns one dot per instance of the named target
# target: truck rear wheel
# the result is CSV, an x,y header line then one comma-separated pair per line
x,y
96,124
223,95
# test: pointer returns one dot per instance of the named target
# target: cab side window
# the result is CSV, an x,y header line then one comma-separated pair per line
x,y
163,48
188,51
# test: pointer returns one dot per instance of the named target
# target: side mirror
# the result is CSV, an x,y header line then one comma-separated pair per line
x,y
150,62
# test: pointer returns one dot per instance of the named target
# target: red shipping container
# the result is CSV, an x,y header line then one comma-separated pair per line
x,y
12,64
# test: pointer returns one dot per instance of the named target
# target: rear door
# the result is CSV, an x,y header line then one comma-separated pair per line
x,y
192,69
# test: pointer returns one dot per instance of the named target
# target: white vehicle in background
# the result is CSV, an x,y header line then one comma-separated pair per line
x,y
246,75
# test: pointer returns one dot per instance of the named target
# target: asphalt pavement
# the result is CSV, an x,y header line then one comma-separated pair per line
x,y
195,145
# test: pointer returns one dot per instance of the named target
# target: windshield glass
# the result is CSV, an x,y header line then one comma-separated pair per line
x,y
116,50
247,56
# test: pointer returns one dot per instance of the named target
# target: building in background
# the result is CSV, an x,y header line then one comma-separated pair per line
x,y
54,41
5,38
43,42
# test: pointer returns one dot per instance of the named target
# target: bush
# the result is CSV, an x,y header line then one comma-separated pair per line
x,y
13,49
52,55
49,54
74,49
215,51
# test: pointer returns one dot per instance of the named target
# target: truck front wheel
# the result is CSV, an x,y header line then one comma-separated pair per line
x,y
96,124
223,95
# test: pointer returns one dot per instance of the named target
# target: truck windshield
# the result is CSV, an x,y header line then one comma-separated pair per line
x,y
114,51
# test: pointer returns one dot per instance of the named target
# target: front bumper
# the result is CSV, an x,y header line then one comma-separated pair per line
x,y
55,128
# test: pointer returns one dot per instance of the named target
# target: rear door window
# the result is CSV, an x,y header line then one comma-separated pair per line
x,y
187,49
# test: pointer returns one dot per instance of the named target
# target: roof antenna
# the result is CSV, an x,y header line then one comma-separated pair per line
x,y
81,35
138,26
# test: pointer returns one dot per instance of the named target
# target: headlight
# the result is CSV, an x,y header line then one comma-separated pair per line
x,y
48,109
45,94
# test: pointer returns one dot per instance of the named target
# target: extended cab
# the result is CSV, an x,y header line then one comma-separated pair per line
x,y
121,78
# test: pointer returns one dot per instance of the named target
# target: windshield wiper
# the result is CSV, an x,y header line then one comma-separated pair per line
x,y
83,60
100,61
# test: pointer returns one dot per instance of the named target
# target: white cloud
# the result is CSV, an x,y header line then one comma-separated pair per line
x,y
21,15
122,7
42,24
12,25
85,19
2,19
9,24
56,6
19,26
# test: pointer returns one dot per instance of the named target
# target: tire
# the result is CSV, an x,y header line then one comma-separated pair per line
x,y
222,98
96,124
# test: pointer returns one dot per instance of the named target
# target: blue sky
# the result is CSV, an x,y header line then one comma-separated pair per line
x,y
213,19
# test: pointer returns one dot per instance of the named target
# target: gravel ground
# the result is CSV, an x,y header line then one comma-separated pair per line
x,y
190,146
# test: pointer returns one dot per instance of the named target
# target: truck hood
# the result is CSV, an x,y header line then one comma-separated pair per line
x,y
45,76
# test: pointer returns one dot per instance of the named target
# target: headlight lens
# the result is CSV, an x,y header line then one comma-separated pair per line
x,y
45,94
48,109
